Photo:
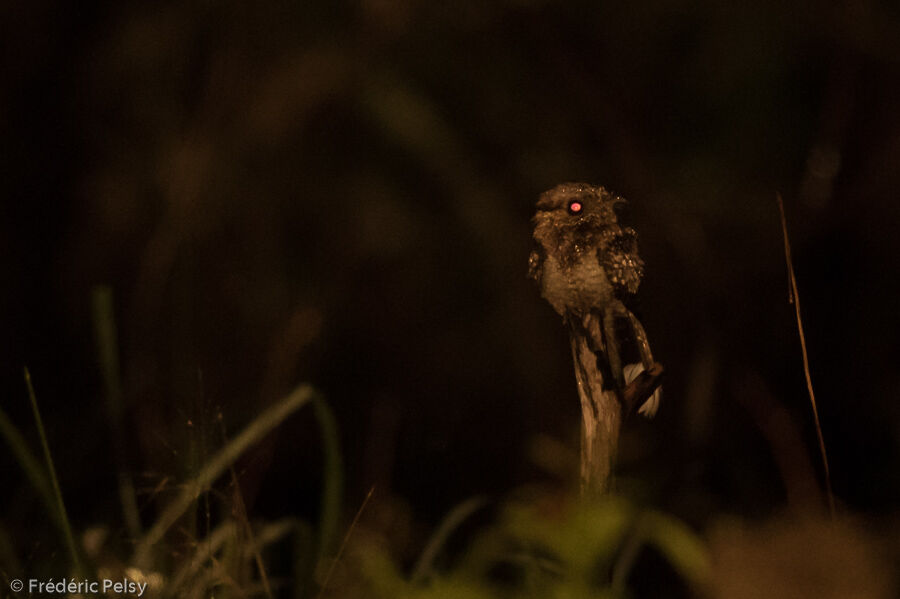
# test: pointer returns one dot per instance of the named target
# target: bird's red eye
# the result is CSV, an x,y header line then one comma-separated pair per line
x,y
575,207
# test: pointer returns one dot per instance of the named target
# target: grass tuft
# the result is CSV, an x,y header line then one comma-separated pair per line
x,y
217,465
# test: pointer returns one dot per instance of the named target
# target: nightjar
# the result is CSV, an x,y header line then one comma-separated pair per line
x,y
588,267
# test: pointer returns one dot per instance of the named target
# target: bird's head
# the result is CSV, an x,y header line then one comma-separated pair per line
x,y
575,210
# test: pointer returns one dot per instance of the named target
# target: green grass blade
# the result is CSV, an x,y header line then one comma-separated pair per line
x,y
108,359
107,349
332,478
331,501
57,492
683,549
30,465
451,522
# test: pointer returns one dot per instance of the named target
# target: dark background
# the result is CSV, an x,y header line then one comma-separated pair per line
x,y
340,193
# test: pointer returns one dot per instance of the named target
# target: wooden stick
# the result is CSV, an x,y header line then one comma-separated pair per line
x,y
602,410
600,423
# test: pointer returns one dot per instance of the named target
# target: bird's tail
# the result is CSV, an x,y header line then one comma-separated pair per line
x,y
651,405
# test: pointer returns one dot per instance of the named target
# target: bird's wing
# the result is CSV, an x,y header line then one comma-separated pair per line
x,y
619,258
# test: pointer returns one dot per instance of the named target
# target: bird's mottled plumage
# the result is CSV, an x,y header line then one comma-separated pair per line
x,y
587,266
583,260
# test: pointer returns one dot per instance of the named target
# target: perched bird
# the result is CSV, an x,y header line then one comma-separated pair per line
x,y
588,268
